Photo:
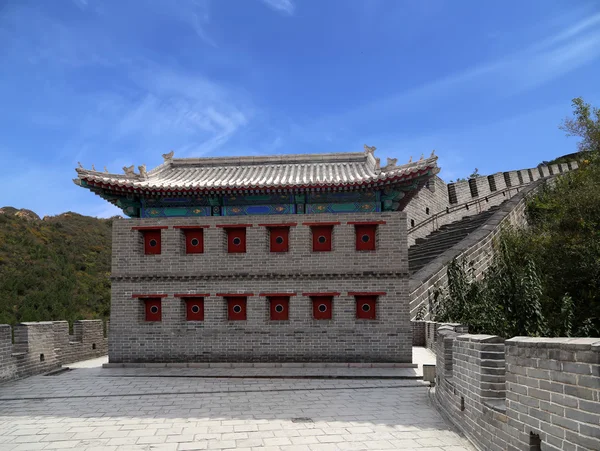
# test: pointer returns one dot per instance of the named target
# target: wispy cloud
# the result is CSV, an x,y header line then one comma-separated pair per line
x,y
168,109
192,13
200,19
553,56
82,4
286,7
198,112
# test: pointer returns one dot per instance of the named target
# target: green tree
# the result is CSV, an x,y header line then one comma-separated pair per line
x,y
545,279
584,124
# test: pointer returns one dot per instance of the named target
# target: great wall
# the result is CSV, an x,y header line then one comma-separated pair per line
x,y
45,346
502,394
490,202
41,347
516,394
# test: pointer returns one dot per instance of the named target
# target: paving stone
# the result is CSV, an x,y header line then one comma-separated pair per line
x,y
93,408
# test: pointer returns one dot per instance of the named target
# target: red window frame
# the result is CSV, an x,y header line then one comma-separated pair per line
x,y
279,307
236,241
152,238
322,235
365,237
322,305
366,234
194,238
236,237
366,307
233,300
153,309
194,308
279,239
366,304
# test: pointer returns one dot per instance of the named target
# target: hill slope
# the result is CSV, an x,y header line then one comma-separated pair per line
x,y
53,269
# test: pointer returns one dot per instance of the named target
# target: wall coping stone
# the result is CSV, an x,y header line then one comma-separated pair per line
x,y
592,344
480,338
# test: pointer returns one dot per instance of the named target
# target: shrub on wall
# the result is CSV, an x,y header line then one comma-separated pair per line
x,y
544,280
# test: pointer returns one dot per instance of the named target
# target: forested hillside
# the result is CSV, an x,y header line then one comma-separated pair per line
x,y
53,268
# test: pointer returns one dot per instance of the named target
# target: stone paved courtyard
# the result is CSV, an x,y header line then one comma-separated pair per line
x,y
90,408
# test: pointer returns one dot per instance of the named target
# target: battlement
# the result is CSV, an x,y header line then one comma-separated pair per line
x,y
44,346
518,393
439,203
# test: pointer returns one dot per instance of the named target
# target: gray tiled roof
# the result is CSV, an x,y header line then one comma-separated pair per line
x,y
287,171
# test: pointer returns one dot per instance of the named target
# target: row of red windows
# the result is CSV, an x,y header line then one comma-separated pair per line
x,y
278,237
366,304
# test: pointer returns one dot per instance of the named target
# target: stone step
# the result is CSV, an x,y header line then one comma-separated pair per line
x,y
436,243
463,228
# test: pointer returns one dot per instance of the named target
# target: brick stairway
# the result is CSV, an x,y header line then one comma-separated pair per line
x,y
426,249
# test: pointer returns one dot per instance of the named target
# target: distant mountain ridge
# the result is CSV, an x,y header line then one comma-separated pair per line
x,y
53,268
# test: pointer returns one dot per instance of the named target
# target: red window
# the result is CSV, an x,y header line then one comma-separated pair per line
x,y
365,237
366,306
279,239
151,242
322,238
280,308
236,237
194,241
322,307
194,308
236,308
153,309
152,237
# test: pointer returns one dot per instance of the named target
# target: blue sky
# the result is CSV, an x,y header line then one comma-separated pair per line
x,y
120,82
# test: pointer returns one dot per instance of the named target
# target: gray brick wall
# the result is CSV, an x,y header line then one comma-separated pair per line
x,y
8,365
344,338
87,341
500,393
553,390
476,249
435,199
44,346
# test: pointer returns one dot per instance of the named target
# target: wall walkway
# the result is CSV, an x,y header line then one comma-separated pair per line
x,y
477,249
440,203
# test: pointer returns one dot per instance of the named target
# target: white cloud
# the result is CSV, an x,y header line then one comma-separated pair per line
x,y
192,111
283,6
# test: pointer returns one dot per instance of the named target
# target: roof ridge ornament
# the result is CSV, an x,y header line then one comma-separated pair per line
x,y
93,168
142,169
410,159
370,149
105,170
168,157
80,165
129,171
391,164
432,153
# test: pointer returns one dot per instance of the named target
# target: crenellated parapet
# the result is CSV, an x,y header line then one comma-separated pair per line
x,y
521,393
439,203
40,347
